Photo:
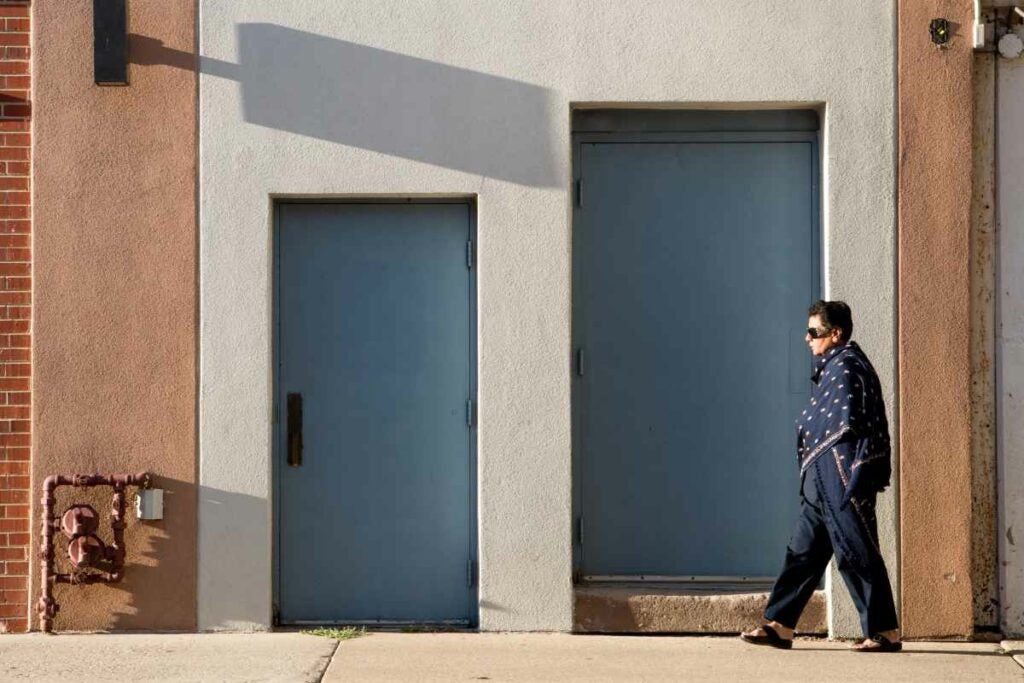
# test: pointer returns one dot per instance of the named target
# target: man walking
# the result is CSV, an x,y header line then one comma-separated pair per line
x,y
843,451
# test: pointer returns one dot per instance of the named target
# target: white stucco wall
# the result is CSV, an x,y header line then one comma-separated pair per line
x,y
1010,342
451,97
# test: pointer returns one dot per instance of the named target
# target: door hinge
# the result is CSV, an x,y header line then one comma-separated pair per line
x,y
579,192
469,254
470,413
471,572
578,531
579,361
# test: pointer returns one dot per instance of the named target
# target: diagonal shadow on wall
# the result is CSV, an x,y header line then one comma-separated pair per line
x,y
384,101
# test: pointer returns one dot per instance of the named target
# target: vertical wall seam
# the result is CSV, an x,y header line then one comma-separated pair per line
x,y
983,372
197,317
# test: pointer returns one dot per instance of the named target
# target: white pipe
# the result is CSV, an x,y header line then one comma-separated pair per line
x,y
979,28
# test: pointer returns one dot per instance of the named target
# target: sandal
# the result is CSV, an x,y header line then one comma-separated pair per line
x,y
878,643
770,638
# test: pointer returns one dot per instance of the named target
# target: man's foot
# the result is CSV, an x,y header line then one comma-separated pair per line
x,y
887,641
771,634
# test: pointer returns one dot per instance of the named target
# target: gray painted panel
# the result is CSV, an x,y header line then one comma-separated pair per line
x,y
695,262
690,120
375,332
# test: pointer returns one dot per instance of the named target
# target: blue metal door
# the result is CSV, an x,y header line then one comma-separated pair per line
x,y
374,436
695,258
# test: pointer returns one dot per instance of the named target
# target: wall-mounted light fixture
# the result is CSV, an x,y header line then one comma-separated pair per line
x,y
110,41
939,31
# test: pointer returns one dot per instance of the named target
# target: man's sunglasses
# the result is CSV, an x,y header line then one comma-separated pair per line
x,y
815,333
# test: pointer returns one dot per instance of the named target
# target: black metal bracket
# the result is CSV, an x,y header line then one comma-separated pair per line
x,y
110,41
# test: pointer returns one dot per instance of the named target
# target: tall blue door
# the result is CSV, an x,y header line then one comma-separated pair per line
x,y
695,258
374,436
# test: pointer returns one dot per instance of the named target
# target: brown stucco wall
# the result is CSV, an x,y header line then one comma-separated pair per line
x,y
935,153
115,296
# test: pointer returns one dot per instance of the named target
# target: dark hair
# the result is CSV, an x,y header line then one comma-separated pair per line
x,y
833,314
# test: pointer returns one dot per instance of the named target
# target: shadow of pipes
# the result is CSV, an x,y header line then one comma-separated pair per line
x,y
382,101
160,577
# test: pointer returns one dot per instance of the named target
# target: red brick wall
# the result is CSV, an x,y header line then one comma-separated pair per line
x,y
15,312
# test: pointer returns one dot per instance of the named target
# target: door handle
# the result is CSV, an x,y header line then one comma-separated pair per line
x,y
294,430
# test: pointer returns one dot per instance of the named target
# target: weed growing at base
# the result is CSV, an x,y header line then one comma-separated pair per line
x,y
344,633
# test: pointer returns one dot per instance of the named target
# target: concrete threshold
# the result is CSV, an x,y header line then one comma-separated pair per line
x,y
681,608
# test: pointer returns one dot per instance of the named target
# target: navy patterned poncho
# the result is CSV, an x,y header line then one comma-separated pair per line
x,y
846,420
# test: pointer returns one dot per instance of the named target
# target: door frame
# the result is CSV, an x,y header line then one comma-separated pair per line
x,y
470,201
668,127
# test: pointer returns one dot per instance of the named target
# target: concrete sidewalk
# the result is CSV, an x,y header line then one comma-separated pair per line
x,y
475,657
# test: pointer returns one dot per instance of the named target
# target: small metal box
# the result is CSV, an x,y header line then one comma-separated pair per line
x,y
149,504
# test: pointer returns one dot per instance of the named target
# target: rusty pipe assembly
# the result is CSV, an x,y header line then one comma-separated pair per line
x,y
80,523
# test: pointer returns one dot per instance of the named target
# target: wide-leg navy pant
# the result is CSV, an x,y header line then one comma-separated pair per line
x,y
821,530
